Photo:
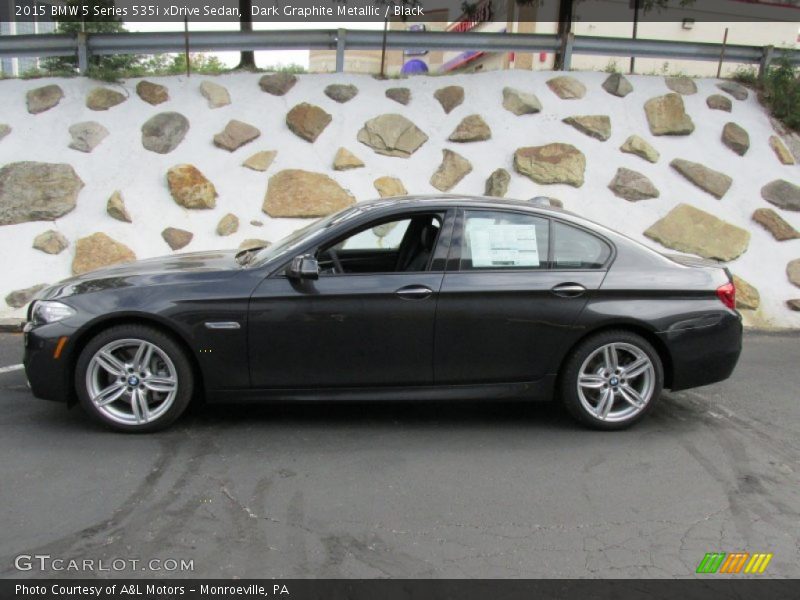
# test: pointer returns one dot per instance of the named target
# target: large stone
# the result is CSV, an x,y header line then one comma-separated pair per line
x,y
176,238
190,188
747,296
471,129
793,271
298,193
86,136
34,191
235,135
4,130
277,84
97,251
551,163
453,169
497,183
389,186
115,207
639,146
43,98
793,304
101,98
689,229
778,147
399,94
392,135
19,298
719,102
774,223
632,186
345,160
340,92
449,97
519,102
681,84
709,180
596,126
735,138
781,193
50,242
617,85
217,95
253,243
260,161
163,132
566,87
307,121
736,90
228,225
152,93
666,115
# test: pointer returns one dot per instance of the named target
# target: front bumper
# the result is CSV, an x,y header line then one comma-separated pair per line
x,y
704,355
49,377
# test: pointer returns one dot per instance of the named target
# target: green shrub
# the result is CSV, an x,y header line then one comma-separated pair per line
x,y
781,93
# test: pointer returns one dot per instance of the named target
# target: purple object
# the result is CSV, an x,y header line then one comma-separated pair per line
x,y
414,67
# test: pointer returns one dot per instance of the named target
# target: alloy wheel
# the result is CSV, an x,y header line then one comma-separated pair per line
x,y
131,381
616,382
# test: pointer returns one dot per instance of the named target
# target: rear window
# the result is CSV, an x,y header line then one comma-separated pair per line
x,y
575,248
504,240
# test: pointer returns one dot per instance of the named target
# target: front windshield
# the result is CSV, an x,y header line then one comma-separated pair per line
x,y
297,238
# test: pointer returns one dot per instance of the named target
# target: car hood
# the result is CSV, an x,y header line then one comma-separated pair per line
x,y
151,268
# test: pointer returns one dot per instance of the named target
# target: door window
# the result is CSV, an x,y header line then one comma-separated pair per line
x,y
504,240
575,248
401,245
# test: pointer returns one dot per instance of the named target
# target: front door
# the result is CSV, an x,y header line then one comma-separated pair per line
x,y
367,321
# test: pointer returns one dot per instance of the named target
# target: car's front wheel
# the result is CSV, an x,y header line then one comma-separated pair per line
x,y
612,380
134,378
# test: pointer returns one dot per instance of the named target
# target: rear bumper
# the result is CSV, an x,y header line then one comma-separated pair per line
x,y
49,377
704,355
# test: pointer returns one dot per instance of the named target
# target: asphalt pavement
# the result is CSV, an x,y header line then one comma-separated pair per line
x,y
409,490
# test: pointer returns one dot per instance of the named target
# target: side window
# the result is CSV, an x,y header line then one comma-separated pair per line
x,y
386,236
504,240
401,245
574,248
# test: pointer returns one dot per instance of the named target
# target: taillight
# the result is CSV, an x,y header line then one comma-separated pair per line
x,y
727,295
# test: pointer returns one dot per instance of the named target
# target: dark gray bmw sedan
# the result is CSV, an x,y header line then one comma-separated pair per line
x,y
418,298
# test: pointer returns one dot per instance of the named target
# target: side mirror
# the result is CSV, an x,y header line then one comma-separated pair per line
x,y
303,267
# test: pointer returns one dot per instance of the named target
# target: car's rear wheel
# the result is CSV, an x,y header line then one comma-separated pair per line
x,y
134,378
612,380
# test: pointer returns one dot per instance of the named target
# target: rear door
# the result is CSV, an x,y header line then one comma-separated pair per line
x,y
514,287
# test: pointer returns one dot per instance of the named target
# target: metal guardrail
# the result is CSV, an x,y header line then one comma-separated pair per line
x,y
85,45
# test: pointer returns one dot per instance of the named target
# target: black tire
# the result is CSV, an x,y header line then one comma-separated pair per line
x,y
164,342
568,388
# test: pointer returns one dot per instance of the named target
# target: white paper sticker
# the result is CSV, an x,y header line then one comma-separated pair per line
x,y
502,245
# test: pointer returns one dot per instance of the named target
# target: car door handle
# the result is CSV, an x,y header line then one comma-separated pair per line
x,y
414,292
568,290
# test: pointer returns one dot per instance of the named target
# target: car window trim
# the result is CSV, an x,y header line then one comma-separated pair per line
x,y
454,256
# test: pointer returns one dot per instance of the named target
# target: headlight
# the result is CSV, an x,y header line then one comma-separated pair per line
x,y
50,311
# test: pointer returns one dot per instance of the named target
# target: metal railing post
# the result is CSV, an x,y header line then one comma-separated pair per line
x,y
766,58
83,52
566,56
341,36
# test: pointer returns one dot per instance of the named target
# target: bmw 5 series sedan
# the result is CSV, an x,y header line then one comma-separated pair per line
x,y
418,298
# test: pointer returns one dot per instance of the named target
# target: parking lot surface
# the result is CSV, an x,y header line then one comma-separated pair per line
x,y
411,490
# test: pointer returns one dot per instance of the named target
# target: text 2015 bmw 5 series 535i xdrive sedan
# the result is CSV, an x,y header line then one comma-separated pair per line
x,y
410,298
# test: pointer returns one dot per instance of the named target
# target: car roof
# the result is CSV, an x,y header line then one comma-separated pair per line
x,y
457,200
